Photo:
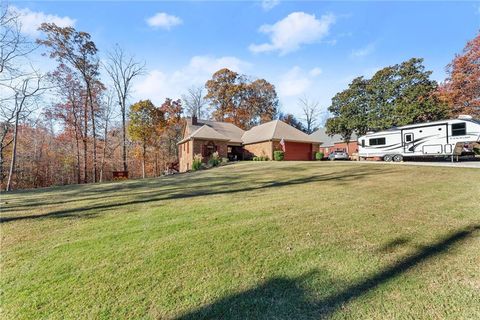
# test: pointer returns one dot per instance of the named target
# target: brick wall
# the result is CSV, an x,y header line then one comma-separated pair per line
x,y
185,156
261,149
190,148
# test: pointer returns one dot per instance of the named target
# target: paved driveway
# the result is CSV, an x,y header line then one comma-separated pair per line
x,y
460,164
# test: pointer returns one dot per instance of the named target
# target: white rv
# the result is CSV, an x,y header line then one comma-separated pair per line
x,y
439,138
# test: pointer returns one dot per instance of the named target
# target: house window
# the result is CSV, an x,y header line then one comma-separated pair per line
x,y
377,141
459,129
209,149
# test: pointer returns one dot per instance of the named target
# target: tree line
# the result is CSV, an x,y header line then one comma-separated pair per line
x,y
77,123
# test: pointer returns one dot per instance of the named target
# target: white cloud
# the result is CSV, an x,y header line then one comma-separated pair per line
x,y
31,20
269,4
290,33
164,21
363,52
315,72
158,85
294,82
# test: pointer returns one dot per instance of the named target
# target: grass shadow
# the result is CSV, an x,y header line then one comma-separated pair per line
x,y
285,298
206,188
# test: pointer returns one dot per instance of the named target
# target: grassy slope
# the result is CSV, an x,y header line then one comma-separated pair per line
x,y
251,240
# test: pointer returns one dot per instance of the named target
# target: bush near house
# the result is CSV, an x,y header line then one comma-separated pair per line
x,y
278,155
214,161
197,162
261,158
319,156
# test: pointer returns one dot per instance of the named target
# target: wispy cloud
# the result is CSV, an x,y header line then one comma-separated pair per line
x,y
295,30
268,5
31,20
164,21
363,52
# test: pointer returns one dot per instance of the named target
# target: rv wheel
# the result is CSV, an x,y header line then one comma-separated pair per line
x,y
387,158
398,158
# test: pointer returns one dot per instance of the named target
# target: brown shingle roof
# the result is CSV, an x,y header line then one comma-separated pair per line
x,y
276,130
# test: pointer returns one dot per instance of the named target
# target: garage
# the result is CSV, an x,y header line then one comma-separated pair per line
x,y
297,151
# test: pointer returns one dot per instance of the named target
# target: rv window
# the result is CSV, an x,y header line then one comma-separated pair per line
x,y
377,141
408,138
459,129
363,143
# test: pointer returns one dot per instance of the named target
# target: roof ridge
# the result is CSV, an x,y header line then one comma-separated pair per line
x,y
275,128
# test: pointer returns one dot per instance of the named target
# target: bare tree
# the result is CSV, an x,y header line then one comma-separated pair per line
x,y
311,112
25,90
122,69
107,115
17,84
195,102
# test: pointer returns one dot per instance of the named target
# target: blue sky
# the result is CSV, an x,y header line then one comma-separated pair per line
x,y
311,49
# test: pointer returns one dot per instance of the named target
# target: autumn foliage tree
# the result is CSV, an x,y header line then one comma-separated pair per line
x,y
145,118
461,89
236,99
76,49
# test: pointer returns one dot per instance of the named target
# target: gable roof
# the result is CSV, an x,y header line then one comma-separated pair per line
x,y
276,130
212,130
329,141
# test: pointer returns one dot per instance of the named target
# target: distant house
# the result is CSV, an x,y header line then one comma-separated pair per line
x,y
206,137
335,142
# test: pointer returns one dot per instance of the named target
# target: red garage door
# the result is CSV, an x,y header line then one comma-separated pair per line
x,y
298,151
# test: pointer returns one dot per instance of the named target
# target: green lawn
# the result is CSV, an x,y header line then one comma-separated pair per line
x,y
254,240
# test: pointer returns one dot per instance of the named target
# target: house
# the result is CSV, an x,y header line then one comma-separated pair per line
x,y
206,137
335,142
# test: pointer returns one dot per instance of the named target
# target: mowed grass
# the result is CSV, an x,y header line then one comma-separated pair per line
x,y
253,240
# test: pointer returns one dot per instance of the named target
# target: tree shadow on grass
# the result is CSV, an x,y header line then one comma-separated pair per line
x,y
286,298
207,189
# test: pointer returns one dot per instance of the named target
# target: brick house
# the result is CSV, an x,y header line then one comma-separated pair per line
x,y
206,137
335,142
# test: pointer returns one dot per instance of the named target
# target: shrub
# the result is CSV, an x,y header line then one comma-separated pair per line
x,y
261,158
278,155
319,155
476,150
214,159
197,162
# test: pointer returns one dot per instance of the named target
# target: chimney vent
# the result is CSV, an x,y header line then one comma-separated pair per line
x,y
194,120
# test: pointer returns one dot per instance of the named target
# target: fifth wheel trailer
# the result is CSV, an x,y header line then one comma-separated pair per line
x,y
439,138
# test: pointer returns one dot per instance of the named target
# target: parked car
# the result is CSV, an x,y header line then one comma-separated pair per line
x,y
338,155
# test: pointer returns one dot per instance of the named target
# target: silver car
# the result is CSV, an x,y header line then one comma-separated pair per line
x,y
338,155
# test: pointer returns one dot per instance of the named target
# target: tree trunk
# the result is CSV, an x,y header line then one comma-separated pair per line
x,y
124,136
92,113
85,147
1,166
104,153
14,153
144,152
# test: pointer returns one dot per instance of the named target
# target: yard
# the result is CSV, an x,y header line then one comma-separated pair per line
x,y
253,240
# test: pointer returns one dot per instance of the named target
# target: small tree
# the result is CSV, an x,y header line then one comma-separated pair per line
x,y
311,112
144,119
195,102
122,69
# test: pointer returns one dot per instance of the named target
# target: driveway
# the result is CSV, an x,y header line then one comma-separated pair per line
x,y
436,163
